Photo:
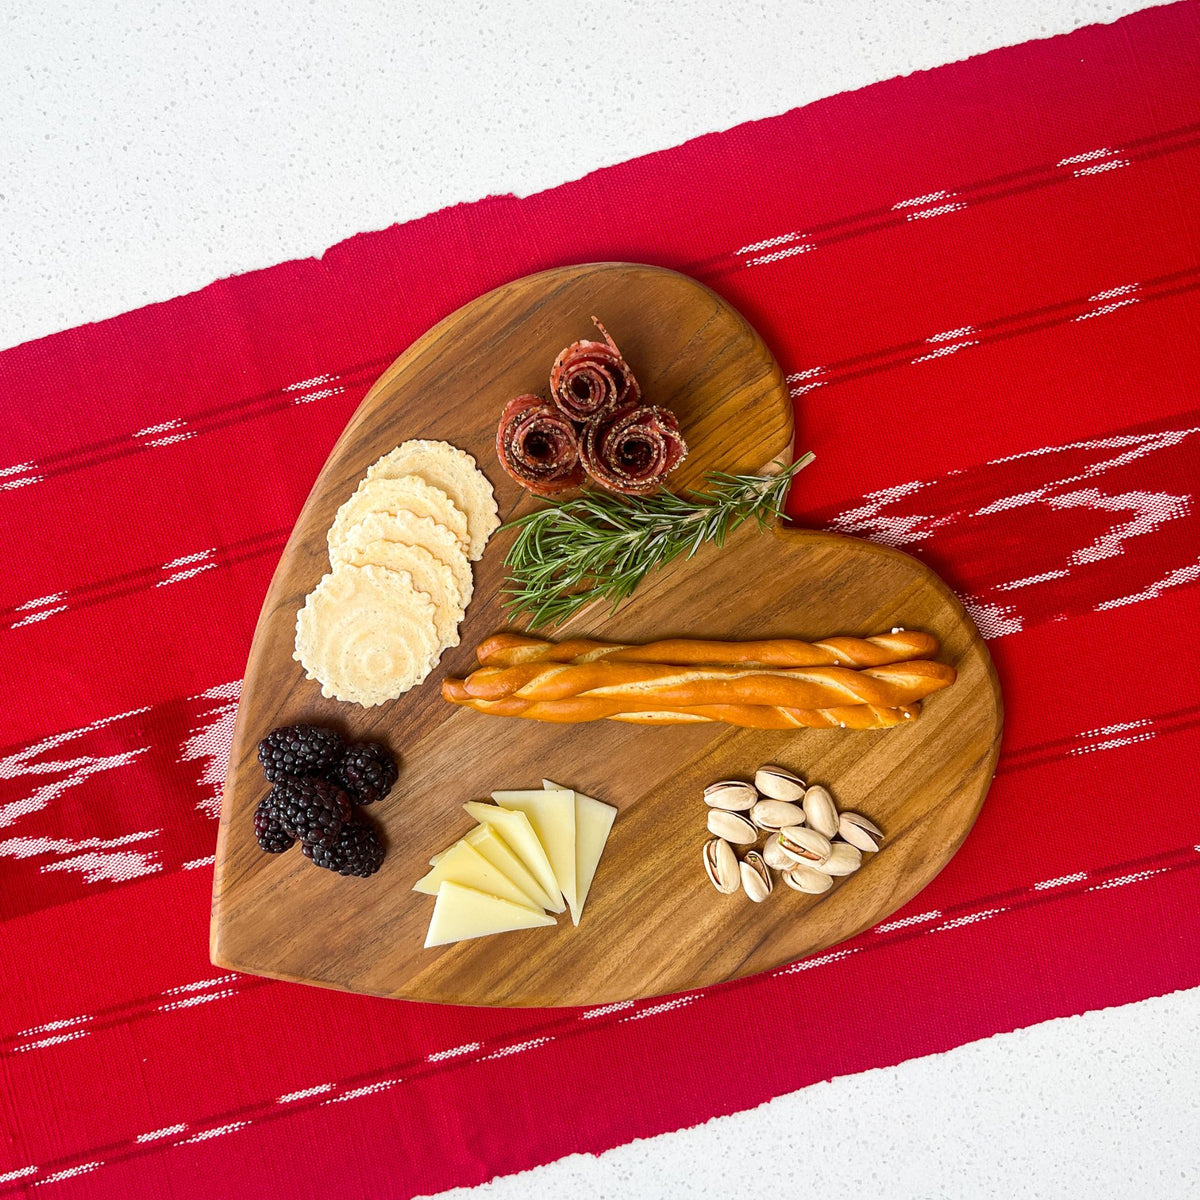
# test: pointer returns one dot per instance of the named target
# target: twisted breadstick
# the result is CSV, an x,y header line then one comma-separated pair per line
x,y
669,687
759,716
749,716
512,649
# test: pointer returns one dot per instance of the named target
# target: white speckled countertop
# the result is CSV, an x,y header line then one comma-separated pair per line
x,y
303,126
147,149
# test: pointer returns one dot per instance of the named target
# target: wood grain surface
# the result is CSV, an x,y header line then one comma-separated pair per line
x,y
653,923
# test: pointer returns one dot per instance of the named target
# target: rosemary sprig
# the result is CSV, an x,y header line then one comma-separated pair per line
x,y
600,546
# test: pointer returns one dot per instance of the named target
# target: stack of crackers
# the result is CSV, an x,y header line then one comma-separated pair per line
x,y
400,553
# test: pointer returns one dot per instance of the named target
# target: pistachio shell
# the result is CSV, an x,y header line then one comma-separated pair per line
x,y
858,831
756,879
820,811
721,866
805,879
777,784
730,794
775,814
804,845
774,855
732,827
843,859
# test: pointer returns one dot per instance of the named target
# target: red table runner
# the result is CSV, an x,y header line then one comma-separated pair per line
x,y
984,285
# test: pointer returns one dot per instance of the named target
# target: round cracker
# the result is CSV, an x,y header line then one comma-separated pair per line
x,y
454,472
407,494
429,575
412,530
366,635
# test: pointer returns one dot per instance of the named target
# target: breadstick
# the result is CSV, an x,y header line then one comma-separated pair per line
x,y
758,716
580,709
812,687
455,691
512,649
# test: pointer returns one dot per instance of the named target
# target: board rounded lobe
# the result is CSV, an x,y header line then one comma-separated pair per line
x,y
270,914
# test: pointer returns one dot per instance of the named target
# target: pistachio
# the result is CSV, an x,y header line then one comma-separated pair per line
x,y
756,879
820,811
721,866
860,832
843,859
730,794
806,879
799,824
732,827
804,845
774,855
775,814
777,784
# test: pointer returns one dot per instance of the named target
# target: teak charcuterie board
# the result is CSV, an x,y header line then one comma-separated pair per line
x,y
653,923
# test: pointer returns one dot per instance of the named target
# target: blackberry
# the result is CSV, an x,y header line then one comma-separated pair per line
x,y
312,810
357,850
267,830
299,750
367,772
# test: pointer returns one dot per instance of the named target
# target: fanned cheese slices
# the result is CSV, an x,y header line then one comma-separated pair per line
x,y
531,851
593,824
464,912
552,815
462,863
516,830
400,550
496,850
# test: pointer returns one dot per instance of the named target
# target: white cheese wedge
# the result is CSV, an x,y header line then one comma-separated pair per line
x,y
497,852
495,849
552,815
462,863
593,823
516,831
462,912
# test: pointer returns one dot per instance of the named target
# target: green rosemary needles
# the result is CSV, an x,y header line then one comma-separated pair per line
x,y
600,546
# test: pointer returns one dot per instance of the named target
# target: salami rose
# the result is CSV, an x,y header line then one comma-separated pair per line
x,y
537,446
634,449
591,379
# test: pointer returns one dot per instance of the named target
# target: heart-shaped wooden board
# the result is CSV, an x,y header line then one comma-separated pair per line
x,y
653,922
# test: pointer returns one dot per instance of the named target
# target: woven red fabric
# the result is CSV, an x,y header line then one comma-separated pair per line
x,y
984,283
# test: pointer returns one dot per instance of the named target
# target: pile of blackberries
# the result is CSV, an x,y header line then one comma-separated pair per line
x,y
320,784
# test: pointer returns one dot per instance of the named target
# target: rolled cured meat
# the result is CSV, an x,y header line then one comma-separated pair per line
x,y
590,379
633,449
538,446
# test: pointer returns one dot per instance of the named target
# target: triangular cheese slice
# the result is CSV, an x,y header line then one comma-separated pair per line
x,y
517,832
593,823
462,912
462,863
496,850
552,815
